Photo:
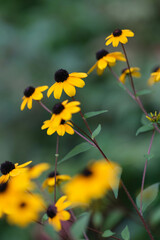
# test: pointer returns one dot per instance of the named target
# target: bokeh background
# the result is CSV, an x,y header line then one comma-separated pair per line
x,y
39,37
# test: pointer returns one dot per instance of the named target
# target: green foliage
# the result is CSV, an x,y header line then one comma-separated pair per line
x,y
93,114
79,227
145,128
96,131
97,219
125,233
51,232
143,92
149,195
82,147
114,187
108,233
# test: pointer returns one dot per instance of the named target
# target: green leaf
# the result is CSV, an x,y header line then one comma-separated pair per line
x,y
143,92
97,219
145,128
96,131
51,231
155,216
122,86
82,147
125,233
108,233
115,186
149,195
44,218
93,114
79,227
148,157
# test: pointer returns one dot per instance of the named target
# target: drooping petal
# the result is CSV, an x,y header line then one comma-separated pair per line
x,y
29,103
51,89
102,64
66,115
37,95
77,82
64,215
24,164
109,41
69,89
58,90
24,103
123,39
61,130
100,71
92,68
110,36
128,33
69,129
115,41
122,78
78,75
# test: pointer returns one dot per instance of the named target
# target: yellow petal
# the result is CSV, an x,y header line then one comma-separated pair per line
x,y
69,89
92,68
24,103
64,215
66,115
51,89
127,33
60,201
58,90
36,171
4,178
61,130
115,41
69,129
136,74
78,75
76,82
110,36
123,39
51,130
102,64
100,71
122,78
42,88
37,95
24,164
109,41
29,103
72,104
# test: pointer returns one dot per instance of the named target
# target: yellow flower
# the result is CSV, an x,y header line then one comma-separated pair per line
x,y
50,181
9,169
25,209
92,183
66,82
155,76
125,72
60,129
104,59
6,194
57,213
154,117
119,36
37,170
62,111
31,93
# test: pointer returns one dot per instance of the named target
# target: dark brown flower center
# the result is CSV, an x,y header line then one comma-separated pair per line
x,y
7,167
3,187
101,53
86,172
29,91
51,211
117,32
61,75
63,121
23,204
52,174
156,69
58,108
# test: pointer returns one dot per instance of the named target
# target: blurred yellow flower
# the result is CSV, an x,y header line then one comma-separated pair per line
x,y
31,93
155,76
125,72
25,209
66,82
60,129
37,170
104,59
9,169
50,181
92,183
119,36
62,111
57,213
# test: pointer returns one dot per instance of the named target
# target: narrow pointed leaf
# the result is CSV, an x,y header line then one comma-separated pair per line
x,y
125,233
108,233
144,128
115,187
79,227
96,131
93,114
149,195
143,92
82,147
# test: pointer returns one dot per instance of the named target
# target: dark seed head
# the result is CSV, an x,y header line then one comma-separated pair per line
x,y
6,167
58,108
3,187
61,75
52,174
86,172
23,205
51,211
117,32
101,53
156,69
29,91
63,121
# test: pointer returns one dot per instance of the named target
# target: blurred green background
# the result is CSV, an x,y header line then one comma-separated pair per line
x,y
39,37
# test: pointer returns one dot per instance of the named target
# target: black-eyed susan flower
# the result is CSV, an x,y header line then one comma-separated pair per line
x,y
37,170
92,183
119,36
66,82
25,209
57,213
125,72
31,93
155,76
9,169
62,111
154,117
60,129
104,59
50,181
